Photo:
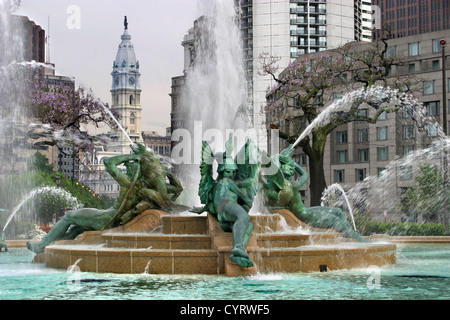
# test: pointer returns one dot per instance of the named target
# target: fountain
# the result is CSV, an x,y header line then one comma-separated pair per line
x,y
330,193
156,240
162,255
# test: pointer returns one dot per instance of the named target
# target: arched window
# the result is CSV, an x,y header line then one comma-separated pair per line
x,y
133,118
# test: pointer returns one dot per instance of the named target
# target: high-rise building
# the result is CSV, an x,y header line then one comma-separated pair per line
x,y
290,28
33,37
411,17
286,29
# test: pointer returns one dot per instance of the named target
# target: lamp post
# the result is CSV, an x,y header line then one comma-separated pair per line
x,y
58,180
443,44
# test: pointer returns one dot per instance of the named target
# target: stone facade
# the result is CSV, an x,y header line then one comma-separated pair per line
x,y
358,150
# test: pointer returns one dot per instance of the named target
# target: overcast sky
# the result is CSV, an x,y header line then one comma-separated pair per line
x,y
84,45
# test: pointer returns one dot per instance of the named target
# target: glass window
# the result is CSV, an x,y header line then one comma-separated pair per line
x,y
432,108
360,174
363,135
383,154
409,131
433,129
435,65
363,112
339,175
429,87
342,156
414,48
382,133
382,174
363,155
391,51
437,46
341,137
382,116
406,173
408,149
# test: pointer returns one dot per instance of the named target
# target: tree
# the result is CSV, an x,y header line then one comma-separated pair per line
x,y
63,110
39,162
427,198
302,90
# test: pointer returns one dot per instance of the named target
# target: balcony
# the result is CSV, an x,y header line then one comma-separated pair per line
x,y
298,10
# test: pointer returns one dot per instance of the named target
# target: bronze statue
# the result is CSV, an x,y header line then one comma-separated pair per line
x,y
230,196
142,187
281,192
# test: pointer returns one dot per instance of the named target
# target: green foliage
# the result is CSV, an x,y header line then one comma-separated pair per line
x,y
39,162
14,188
404,229
427,198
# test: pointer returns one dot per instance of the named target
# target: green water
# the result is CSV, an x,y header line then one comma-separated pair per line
x,y
422,272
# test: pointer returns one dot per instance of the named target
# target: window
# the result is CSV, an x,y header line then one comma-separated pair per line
x,y
342,156
302,159
432,108
383,154
406,173
412,68
382,174
433,129
363,135
407,112
429,87
391,51
437,45
409,131
408,149
363,112
339,175
382,116
382,133
360,174
341,137
133,118
363,155
435,64
414,48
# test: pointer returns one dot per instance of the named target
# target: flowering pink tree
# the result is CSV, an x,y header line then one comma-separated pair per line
x,y
302,90
63,111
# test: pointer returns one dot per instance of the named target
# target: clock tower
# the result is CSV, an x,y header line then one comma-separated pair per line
x,y
126,95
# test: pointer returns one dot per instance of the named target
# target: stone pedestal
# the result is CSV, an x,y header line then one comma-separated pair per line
x,y
160,243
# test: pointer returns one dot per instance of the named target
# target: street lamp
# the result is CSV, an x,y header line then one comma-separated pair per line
x,y
443,44
58,180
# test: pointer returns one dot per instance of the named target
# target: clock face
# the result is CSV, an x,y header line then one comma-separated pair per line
x,y
131,80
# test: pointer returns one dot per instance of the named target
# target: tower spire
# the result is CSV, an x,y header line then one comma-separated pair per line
x,y
125,23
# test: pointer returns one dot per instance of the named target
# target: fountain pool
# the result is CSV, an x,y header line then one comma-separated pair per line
x,y
422,272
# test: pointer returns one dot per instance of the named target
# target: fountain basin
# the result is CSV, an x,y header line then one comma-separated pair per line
x,y
160,243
